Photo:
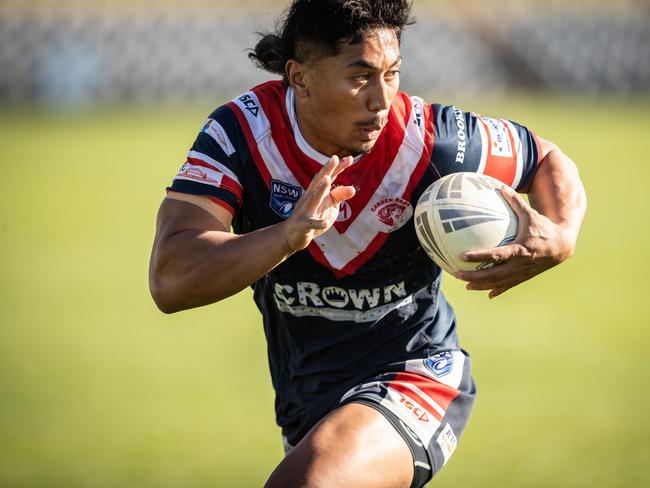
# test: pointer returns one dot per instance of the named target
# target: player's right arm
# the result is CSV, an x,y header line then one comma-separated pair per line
x,y
196,261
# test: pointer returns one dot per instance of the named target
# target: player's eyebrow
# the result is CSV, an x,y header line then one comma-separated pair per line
x,y
362,63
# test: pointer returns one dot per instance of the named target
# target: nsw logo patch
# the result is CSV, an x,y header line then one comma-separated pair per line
x,y
283,198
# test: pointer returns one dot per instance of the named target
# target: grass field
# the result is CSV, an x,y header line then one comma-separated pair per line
x,y
99,389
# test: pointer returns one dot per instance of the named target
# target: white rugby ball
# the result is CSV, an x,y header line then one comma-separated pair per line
x,y
463,212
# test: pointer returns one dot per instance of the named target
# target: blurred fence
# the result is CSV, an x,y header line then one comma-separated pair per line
x,y
65,54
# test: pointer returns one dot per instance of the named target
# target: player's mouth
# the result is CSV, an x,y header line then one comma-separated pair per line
x,y
371,132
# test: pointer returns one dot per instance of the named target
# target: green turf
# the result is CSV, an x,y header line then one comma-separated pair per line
x,y
99,389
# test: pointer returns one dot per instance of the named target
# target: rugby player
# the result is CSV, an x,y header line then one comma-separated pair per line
x,y
317,174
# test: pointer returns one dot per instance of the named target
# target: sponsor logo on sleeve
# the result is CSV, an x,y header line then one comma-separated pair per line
x,y
218,133
441,364
392,212
501,145
250,104
461,134
195,173
283,198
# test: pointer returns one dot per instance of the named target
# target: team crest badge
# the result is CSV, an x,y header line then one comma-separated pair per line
x,y
284,197
440,364
393,212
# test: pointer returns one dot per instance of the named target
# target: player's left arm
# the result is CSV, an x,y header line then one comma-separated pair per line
x,y
548,228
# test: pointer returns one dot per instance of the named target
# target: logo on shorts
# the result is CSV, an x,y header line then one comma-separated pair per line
x,y
418,412
284,197
393,212
447,441
440,364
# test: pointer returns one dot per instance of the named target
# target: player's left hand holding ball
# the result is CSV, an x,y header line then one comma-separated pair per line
x,y
540,245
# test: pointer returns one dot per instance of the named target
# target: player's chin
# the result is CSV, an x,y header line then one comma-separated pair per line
x,y
363,147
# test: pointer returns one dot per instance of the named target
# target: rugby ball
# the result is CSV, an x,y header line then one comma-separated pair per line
x,y
463,212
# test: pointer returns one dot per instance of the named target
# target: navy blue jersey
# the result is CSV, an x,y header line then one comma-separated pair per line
x,y
364,293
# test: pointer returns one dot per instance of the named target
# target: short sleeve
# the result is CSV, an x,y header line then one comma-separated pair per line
x,y
212,166
467,142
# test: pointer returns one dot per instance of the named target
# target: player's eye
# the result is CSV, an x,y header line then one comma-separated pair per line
x,y
392,74
362,77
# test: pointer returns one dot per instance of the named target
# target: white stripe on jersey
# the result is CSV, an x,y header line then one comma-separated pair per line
x,y
212,162
250,106
300,140
261,129
218,133
418,115
484,145
518,152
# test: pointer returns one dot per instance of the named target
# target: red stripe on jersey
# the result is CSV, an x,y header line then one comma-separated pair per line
x,y
503,169
227,182
421,402
252,144
272,99
440,393
200,162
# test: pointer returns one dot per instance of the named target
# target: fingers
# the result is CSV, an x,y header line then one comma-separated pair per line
x,y
497,291
328,169
342,166
516,202
342,193
318,194
496,254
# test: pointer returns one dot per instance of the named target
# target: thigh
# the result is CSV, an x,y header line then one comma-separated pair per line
x,y
354,446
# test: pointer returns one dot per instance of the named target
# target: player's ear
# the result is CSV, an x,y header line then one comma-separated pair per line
x,y
296,76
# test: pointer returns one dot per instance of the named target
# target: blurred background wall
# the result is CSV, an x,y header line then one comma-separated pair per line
x,y
68,52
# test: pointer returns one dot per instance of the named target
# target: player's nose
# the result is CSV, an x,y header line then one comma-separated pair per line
x,y
381,96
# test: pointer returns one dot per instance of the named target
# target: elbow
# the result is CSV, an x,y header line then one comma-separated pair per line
x,y
163,296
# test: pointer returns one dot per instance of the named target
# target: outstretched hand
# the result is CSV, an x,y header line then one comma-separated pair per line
x,y
540,244
318,207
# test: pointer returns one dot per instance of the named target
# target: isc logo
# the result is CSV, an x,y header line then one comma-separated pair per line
x,y
250,104
417,411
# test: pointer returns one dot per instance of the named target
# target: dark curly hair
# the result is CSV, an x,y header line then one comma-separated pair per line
x,y
318,27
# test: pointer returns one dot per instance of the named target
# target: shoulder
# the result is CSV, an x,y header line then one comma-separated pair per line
x,y
260,108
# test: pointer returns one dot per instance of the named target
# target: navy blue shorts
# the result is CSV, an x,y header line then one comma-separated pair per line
x,y
428,401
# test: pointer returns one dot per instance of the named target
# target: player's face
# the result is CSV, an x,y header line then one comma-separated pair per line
x,y
346,98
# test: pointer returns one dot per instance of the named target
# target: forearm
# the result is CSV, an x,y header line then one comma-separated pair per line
x,y
196,268
557,193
